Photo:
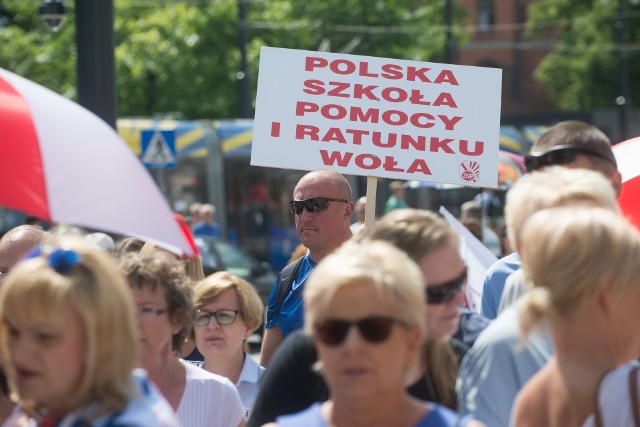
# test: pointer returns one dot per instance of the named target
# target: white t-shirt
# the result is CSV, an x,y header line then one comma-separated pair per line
x,y
614,399
208,400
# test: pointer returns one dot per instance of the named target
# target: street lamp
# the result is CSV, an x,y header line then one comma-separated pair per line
x,y
52,13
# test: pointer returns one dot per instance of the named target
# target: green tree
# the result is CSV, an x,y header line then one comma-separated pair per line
x,y
582,72
184,56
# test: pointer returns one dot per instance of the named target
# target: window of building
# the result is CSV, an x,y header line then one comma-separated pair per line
x,y
486,15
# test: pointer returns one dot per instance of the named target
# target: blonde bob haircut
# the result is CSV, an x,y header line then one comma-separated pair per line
x,y
570,254
552,187
98,293
416,232
212,286
388,270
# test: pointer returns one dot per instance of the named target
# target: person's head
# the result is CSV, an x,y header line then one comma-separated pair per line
x,y
194,212
15,243
474,226
433,245
101,241
207,213
554,186
471,209
226,311
575,144
360,207
378,289
397,189
163,298
322,208
579,257
128,244
68,330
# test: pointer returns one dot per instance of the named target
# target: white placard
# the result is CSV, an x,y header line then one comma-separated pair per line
x,y
381,117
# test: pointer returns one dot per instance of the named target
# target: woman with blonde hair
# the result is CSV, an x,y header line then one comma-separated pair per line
x,y
364,308
226,311
66,315
583,264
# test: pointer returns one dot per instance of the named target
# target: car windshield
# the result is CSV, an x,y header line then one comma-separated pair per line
x,y
234,260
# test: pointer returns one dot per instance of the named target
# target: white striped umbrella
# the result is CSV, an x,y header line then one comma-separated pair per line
x,y
63,164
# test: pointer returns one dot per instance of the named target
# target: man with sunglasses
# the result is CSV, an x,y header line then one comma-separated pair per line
x,y
322,207
574,145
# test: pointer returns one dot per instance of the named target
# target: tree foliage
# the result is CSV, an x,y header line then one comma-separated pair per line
x,y
583,71
184,56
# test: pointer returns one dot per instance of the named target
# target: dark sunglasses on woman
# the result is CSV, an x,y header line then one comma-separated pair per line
x,y
444,292
374,329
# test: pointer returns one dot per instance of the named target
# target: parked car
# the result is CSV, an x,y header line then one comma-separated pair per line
x,y
220,255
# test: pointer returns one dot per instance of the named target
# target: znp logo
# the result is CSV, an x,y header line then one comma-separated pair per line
x,y
470,171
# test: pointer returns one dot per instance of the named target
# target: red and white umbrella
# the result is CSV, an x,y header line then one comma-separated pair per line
x,y
628,157
63,164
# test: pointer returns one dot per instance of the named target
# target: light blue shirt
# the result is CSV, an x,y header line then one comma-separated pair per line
x,y
494,283
497,366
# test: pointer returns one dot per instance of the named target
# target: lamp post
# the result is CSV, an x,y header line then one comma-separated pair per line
x,y
450,42
95,69
623,99
243,74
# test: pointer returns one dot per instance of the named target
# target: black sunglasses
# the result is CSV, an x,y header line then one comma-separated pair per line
x,y
374,329
558,155
314,204
444,292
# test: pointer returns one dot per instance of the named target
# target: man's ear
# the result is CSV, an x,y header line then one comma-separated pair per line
x,y
616,182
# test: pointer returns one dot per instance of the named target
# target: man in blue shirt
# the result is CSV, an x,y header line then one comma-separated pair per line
x,y
322,206
207,226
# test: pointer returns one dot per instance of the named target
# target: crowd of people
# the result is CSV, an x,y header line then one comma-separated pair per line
x,y
366,326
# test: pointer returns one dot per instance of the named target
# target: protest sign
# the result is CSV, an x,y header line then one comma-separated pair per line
x,y
377,117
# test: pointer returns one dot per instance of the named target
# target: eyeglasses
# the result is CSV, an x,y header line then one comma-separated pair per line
x,y
314,204
224,316
60,259
374,329
144,313
444,292
558,155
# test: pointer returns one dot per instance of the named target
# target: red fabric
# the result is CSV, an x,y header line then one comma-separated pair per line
x,y
187,233
22,180
629,200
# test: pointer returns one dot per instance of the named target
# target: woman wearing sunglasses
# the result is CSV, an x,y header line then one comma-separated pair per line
x,y
69,343
364,308
227,310
163,298
289,385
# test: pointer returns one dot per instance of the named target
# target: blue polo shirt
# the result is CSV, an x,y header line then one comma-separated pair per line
x,y
291,315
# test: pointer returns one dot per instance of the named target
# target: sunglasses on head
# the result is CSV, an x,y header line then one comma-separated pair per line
x,y
558,155
314,204
444,292
374,329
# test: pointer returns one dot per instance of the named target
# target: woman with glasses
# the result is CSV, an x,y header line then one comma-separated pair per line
x,y
227,310
163,299
364,308
69,343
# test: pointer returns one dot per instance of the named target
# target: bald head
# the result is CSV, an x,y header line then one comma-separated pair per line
x,y
16,243
334,179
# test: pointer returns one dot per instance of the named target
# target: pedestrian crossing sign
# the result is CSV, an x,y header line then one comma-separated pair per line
x,y
158,149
